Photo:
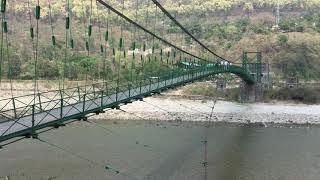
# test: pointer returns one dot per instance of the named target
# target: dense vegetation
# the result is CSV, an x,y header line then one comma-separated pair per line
x,y
228,27
298,94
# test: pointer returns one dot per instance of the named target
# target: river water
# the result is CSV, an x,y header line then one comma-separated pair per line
x,y
165,150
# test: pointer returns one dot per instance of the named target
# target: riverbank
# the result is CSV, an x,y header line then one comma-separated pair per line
x,y
178,105
198,109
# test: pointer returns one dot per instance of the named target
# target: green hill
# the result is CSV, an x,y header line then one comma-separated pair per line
x,y
229,27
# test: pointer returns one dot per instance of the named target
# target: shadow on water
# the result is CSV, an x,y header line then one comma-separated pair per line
x,y
169,166
234,152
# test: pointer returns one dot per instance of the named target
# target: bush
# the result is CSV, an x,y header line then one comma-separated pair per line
x,y
301,94
259,29
233,94
242,24
201,89
287,24
282,40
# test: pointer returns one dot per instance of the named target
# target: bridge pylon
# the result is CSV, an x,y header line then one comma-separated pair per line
x,y
252,61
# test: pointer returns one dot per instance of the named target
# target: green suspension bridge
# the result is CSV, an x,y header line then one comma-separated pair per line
x,y
137,58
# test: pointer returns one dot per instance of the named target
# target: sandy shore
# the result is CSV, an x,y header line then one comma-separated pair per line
x,y
171,108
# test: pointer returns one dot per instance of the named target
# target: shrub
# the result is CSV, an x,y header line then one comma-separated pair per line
x,y
300,94
287,24
201,89
242,24
282,40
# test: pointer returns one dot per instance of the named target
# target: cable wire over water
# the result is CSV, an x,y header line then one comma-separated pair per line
x,y
107,167
205,162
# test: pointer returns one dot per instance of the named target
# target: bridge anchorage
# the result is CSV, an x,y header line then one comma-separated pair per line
x,y
122,57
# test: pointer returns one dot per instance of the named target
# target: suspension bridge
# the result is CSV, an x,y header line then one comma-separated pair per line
x,y
137,58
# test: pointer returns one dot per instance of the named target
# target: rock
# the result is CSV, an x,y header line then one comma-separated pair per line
x,y
265,124
178,119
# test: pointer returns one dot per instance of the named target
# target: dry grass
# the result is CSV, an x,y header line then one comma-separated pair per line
x,y
200,88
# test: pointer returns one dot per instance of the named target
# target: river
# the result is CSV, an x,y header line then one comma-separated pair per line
x,y
158,150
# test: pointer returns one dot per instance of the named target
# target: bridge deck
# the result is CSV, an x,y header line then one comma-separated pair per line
x,y
21,117
28,124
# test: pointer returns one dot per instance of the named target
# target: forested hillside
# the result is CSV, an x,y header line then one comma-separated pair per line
x,y
229,27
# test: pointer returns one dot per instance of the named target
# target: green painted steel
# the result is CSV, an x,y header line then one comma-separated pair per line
x,y
259,67
24,115
255,64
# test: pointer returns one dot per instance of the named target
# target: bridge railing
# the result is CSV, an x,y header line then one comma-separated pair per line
x,y
17,107
25,114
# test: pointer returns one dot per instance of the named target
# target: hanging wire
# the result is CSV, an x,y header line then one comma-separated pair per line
x,y
121,44
186,31
71,45
145,43
90,40
67,26
153,39
112,45
36,84
134,40
53,39
69,22
147,24
5,30
31,30
102,48
154,28
3,10
107,167
90,27
162,33
86,39
146,30
106,42
205,162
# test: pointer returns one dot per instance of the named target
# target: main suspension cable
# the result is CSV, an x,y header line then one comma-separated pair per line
x,y
186,31
147,31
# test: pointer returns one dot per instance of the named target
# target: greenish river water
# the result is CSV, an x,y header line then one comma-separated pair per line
x,y
163,151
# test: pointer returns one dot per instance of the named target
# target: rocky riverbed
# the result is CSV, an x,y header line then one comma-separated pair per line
x,y
199,109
